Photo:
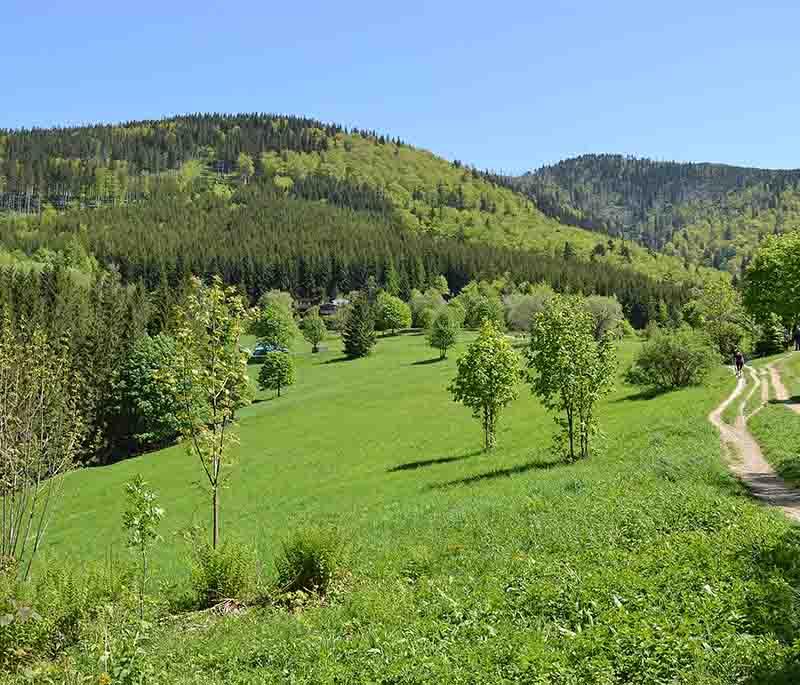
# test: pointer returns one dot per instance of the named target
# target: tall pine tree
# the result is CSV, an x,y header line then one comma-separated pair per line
x,y
359,331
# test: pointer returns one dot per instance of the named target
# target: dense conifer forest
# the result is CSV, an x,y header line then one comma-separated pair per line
x,y
137,162
709,214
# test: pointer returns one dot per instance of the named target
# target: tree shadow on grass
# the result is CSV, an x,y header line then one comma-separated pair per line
x,y
264,399
500,473
336,360
412,465
646,394
424,362
795,399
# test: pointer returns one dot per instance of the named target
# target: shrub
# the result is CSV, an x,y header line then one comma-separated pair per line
x,y
227,572
673,359
308,560
393,313
43,617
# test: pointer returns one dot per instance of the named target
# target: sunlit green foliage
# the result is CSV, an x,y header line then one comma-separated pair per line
x,y
570,369
486,379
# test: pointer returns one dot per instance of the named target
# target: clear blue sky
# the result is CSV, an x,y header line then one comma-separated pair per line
x,y
503,85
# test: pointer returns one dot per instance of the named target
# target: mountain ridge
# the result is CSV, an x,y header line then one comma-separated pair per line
x,y
703,212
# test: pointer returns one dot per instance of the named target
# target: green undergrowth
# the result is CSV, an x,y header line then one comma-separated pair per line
x,y
646,563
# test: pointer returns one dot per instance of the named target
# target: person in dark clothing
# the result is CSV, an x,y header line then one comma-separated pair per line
x,y
738,360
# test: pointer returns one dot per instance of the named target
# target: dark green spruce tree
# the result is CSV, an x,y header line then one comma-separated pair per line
x,y
359,331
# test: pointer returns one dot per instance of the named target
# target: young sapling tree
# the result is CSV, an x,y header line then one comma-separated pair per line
x,y
569,369
486,379
141,520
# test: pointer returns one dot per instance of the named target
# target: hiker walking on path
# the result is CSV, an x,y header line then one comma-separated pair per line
x,y
738,360
797,339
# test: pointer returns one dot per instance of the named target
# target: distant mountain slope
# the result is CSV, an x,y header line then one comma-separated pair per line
x,y
710,214
301,158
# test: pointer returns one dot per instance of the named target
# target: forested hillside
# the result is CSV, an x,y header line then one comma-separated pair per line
x,y
709,214
195,156
259,239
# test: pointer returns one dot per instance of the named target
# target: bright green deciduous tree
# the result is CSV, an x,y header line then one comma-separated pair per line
x,y
393,313
569,369
277,371
275,325
772,279
717,308
443,331
481,302
314,330
211,379
486,379
145,405
359,329
141,520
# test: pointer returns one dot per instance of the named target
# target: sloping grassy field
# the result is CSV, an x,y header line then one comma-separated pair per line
x,y
645,564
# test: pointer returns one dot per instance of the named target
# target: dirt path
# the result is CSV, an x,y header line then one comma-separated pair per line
x,y
749,463
781,393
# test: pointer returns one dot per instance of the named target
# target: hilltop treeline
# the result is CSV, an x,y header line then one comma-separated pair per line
x,y
312,249
70,157
712,214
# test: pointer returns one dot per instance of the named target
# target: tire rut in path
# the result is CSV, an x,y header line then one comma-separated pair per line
x,y
751,467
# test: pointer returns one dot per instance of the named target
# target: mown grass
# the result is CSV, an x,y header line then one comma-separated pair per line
x,y
646,563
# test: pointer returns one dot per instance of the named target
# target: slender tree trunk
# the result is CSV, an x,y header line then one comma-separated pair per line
x,y
488,428
142,585
571,431
215,516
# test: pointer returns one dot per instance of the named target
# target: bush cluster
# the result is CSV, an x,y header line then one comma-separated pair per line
x,y
673,359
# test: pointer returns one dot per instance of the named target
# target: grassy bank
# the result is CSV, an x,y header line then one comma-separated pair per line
x,y
646,563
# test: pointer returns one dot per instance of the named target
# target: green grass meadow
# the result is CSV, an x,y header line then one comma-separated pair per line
x,y
790,373
647,563
777,428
